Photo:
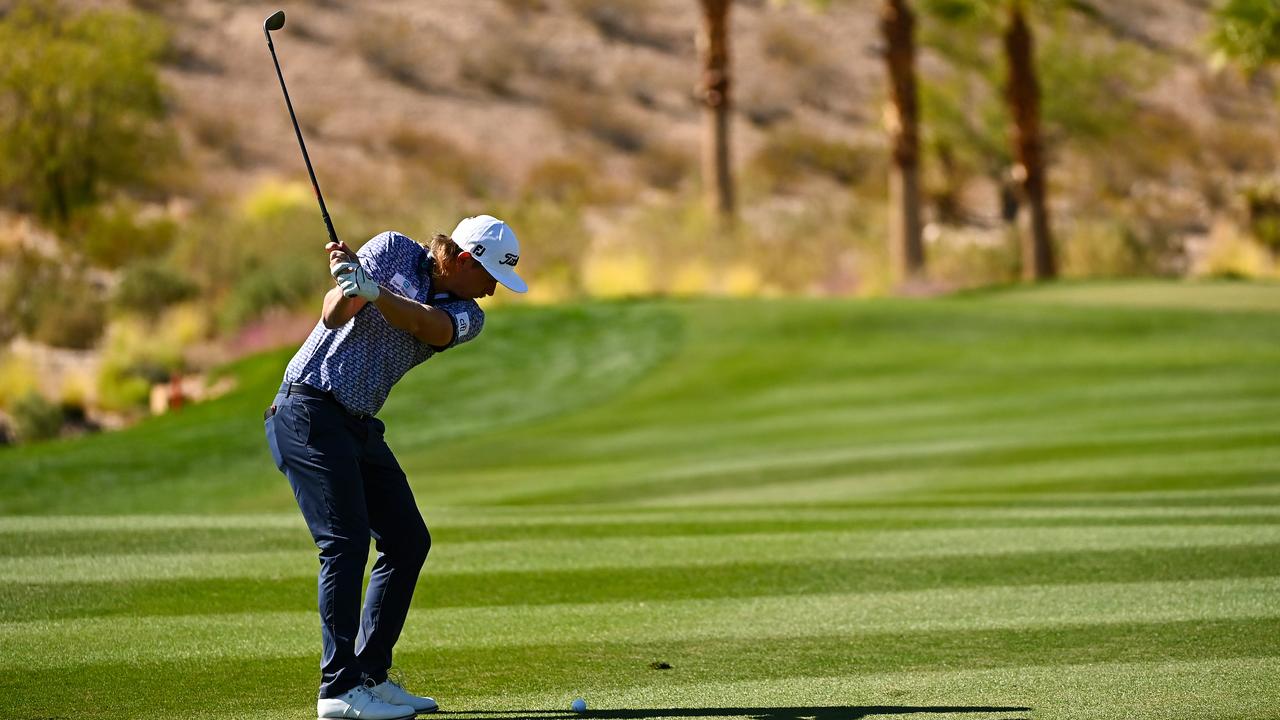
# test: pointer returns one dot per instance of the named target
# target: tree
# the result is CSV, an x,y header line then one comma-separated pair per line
x,y
1248,32
713,49
897,24
80,105
1023,95
902,123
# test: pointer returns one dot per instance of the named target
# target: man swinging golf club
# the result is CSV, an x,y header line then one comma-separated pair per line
x,y
397,303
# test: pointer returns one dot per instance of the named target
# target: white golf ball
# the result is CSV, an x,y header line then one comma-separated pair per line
x,y
579,705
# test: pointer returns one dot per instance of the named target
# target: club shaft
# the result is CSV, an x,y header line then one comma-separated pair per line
x,y
324,212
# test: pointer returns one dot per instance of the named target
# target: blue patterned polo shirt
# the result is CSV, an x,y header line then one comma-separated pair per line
x,y
360,361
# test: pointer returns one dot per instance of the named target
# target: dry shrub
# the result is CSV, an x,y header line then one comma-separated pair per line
x,y
442,159
1231,254
72,316
1102,248
788,156
782,43
822,246
493,63
666,166
68,312
554,239
524,7
221,133
34,418
392,47
563,69
971,256
625,21
766,104
601,119
186,55
1239,146
561,179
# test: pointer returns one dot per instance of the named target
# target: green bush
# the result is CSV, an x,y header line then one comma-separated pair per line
x,y
18,376
50,303
1263,203
90,78
35,418
149,288
281,284
120,390
112,237
72,317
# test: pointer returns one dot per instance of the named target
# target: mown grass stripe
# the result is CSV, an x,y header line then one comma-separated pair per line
x,y
1175,417
572,516
898,485
947,466
48,644
1212,688
194,596
681,551
46,543
283,683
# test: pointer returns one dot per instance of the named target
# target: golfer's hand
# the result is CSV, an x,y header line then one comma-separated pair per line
x,y
339,253
355,281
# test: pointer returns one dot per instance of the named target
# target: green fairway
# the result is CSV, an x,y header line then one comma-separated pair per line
x,y
1060,502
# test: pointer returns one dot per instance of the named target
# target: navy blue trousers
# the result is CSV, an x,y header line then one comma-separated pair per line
x,y
350,488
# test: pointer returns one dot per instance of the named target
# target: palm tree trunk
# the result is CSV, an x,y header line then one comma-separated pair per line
x,y
897,23
1023,95
713,48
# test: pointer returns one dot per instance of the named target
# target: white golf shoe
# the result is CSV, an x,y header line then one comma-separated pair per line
x,y
360,704
389,691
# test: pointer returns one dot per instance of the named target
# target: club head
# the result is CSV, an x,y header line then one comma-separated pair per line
x,y
275,22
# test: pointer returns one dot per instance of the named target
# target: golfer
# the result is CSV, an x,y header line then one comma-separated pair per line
x,y
397,303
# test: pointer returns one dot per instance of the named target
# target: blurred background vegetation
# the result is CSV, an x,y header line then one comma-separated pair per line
x,y
155,218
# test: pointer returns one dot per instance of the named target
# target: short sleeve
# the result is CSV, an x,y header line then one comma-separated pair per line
x,y
467,318
384,253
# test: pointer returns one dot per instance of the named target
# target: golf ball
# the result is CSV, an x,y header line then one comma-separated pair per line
x,y
579,705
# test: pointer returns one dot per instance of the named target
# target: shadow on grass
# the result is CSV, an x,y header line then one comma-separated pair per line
x,y
831,712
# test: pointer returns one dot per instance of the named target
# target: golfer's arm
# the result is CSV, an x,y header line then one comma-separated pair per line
x,y
339,309
430,325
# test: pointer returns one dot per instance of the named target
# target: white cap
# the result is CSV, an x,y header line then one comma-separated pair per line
x,y
491,241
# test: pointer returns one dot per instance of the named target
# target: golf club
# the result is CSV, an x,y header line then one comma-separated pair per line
x,y
275,22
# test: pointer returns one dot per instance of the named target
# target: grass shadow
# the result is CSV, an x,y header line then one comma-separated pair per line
x,y
817,712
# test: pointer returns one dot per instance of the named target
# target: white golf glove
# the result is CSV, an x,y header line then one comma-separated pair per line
x,y
355,281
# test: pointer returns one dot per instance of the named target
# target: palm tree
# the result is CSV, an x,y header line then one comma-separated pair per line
x,y
902,123
902,115
1023,95
713,49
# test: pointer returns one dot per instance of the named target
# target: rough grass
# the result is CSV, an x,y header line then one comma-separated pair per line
x,y
1057,503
